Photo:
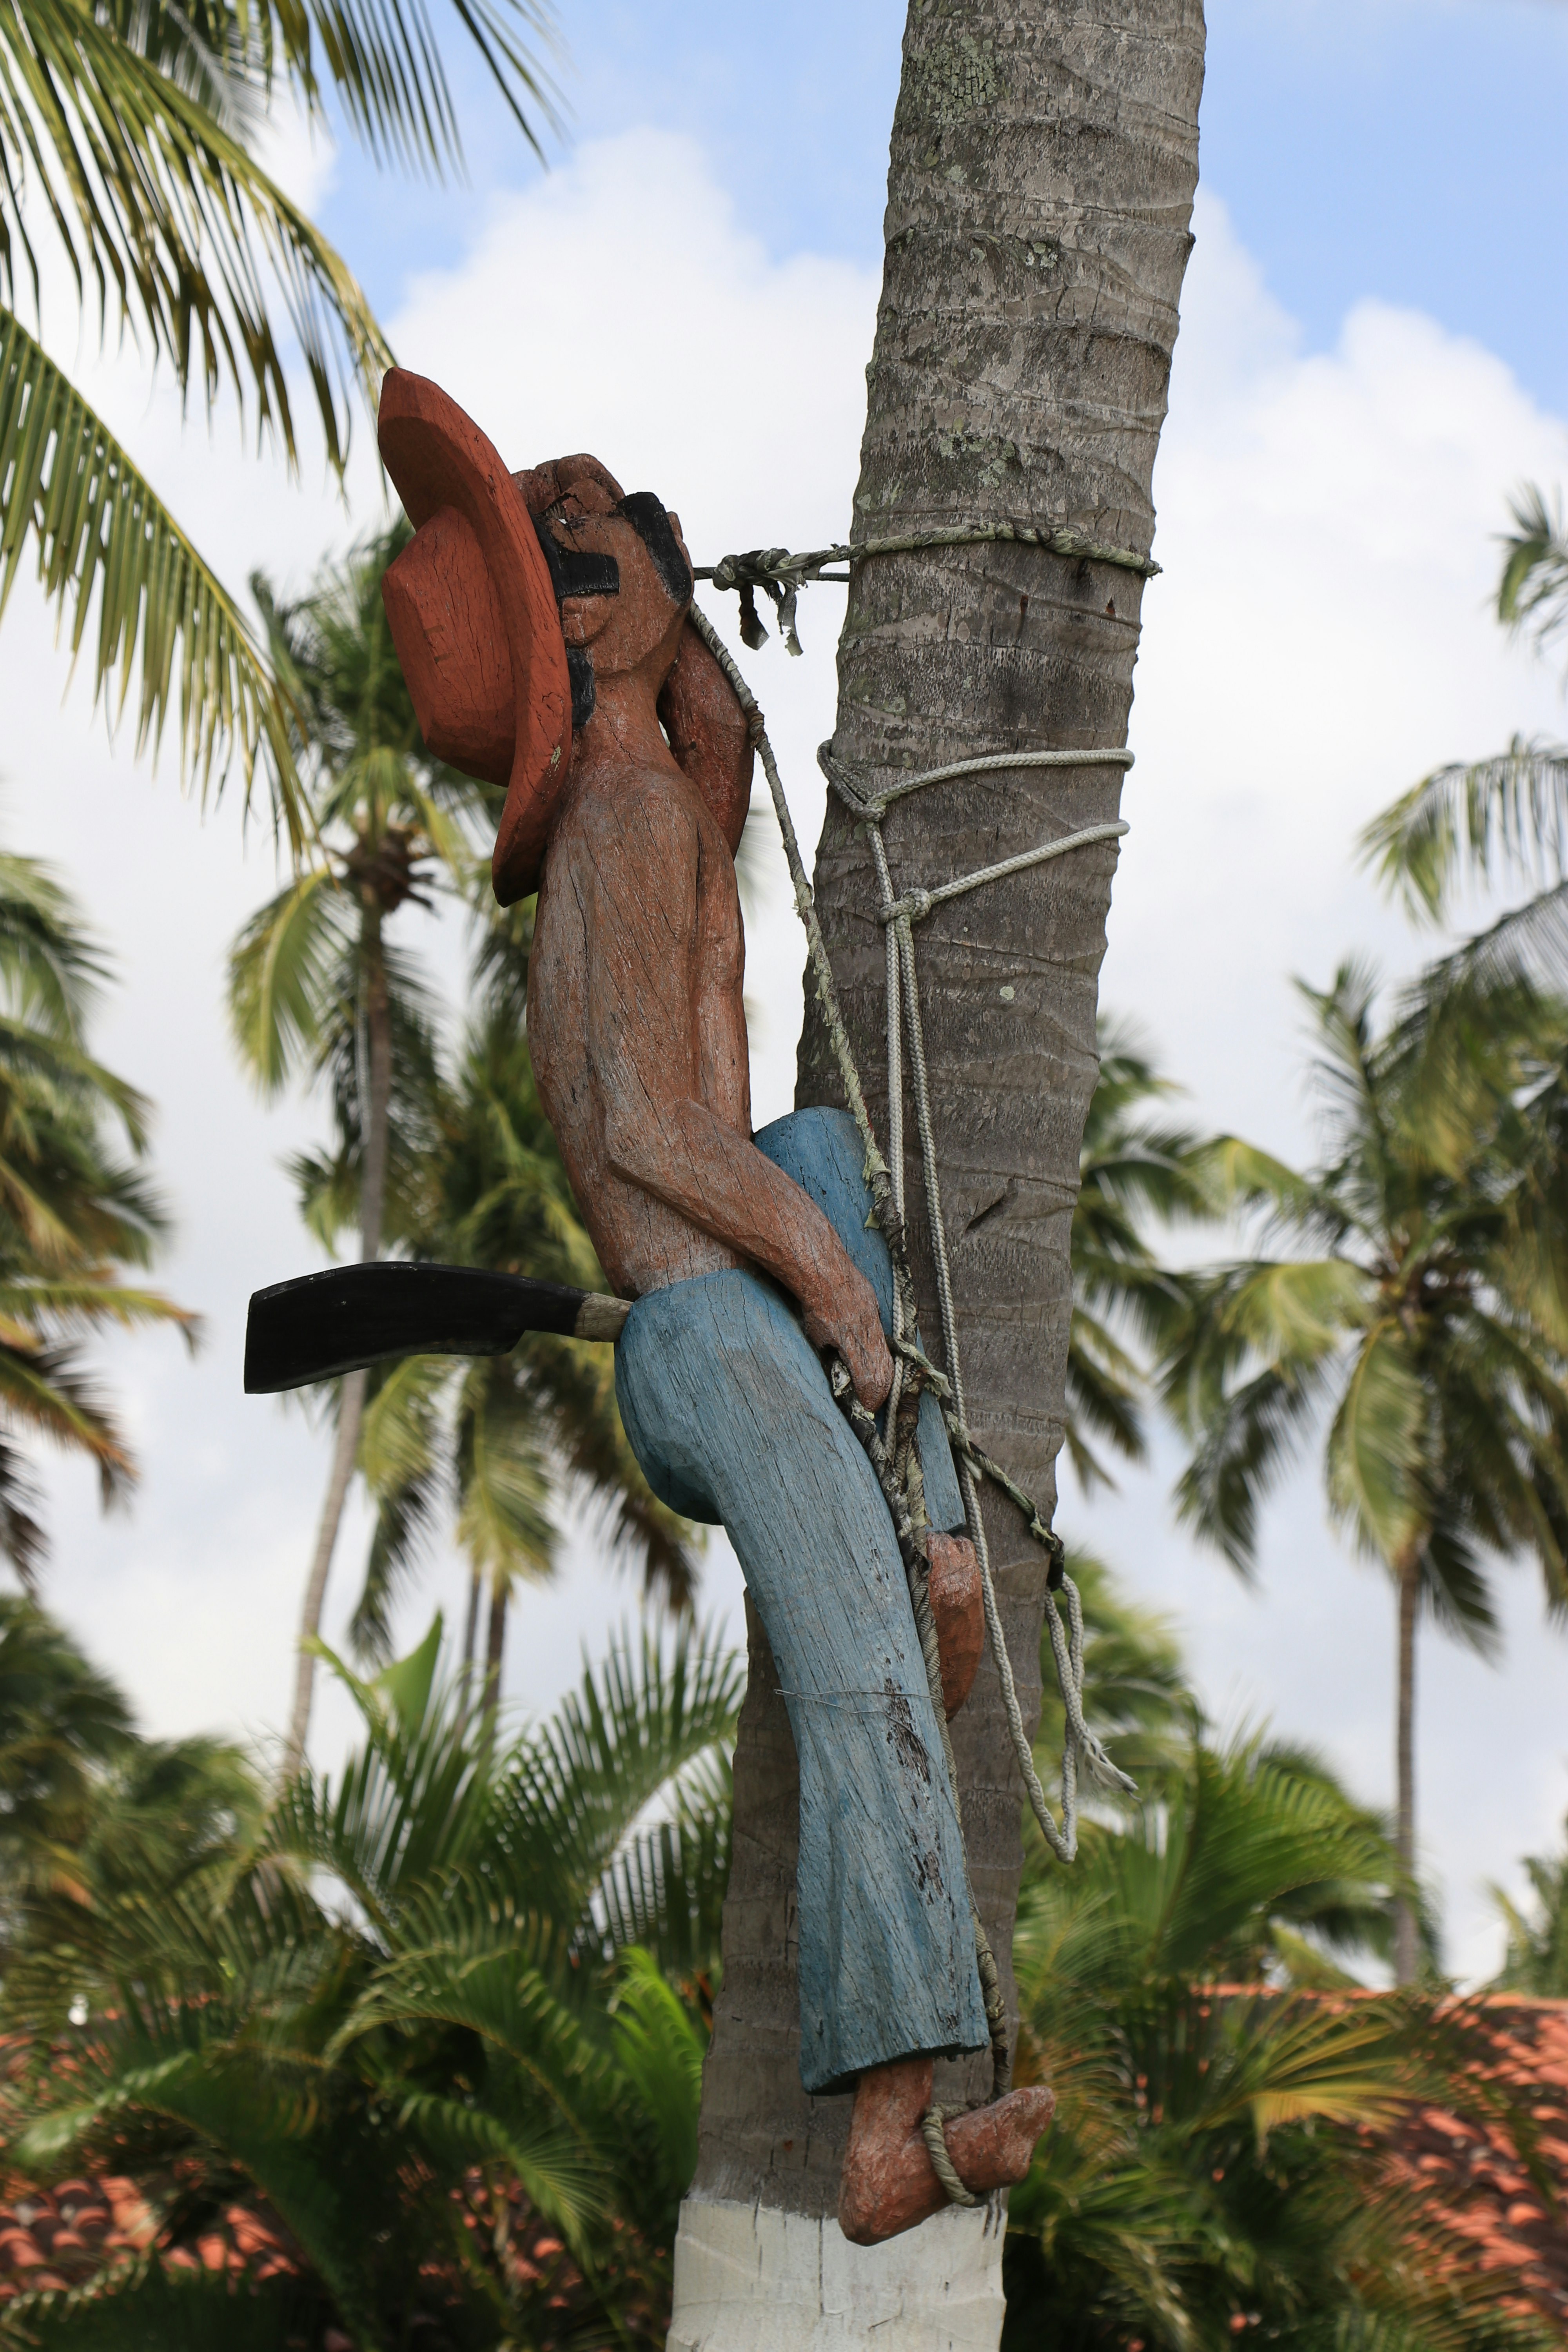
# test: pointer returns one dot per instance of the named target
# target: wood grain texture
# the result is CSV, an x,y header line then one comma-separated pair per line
x,y
957,1604
444,467
1043,158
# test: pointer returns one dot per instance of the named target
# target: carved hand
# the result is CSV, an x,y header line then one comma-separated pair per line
x,y
848,1321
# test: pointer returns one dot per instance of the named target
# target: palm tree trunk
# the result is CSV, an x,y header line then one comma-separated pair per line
x,y
1044,160
1407,1956
495,1646
351,1408
472,1627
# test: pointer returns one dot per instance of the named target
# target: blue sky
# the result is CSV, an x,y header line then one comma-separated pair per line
x,y
1373,353
1409,150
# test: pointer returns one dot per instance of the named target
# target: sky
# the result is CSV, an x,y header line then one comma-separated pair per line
x,y
1372,354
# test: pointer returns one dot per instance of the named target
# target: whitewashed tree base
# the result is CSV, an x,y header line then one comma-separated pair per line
x,y
749,2278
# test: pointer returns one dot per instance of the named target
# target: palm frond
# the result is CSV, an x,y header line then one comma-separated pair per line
x,y
386,69
660,2053
1503,817
616,1744
664,1889
399,1460
1533,588
1374,1447
160,206
285,969
102,536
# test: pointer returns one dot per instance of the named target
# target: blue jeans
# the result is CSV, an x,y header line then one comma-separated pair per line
x,y
728,1411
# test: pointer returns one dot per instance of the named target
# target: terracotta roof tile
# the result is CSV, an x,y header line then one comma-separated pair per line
x,y
1501,2180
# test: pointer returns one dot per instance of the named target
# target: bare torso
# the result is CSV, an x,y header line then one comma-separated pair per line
x,y
670,993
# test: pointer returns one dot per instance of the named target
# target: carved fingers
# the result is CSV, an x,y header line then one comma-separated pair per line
x,y
849,1320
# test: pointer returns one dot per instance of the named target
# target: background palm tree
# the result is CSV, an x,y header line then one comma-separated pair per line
x,y
1067,164
425,2010
1220,2159
89,1810
75,1206
418,2045
316,985
130,131
1423,1332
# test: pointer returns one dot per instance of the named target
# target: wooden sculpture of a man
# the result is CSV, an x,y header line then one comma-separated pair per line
x,y
542,622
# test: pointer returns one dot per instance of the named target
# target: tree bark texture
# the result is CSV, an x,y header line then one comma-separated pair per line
x,y
1043,166
1406,1952
351,1408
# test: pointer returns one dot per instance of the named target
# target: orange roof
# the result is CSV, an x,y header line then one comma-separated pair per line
x,y
1502,2186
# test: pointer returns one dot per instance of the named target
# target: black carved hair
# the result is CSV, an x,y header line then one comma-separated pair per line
x,y
649,519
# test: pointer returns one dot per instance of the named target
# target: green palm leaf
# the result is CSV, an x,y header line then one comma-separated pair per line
x,y
289,970
1506,818
153,194
71,489
1375,1448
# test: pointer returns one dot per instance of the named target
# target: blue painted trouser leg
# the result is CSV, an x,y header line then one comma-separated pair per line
x,y
728,1411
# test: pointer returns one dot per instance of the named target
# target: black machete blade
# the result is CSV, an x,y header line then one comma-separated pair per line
x,y
352,1316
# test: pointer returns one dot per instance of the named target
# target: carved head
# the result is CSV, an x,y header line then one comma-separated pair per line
x,y
620,570
517,593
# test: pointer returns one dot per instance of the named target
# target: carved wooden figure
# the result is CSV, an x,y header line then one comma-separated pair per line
x,y
542,623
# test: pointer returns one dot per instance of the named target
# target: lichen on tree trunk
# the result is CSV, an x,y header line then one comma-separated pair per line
x,y
1044,160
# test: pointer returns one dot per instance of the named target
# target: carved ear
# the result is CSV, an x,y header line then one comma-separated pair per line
x,y
707,733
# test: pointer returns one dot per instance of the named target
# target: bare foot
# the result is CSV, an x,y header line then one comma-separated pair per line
x,y
960,1612
888,2183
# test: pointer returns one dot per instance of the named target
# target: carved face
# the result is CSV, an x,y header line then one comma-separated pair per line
x,y
622,575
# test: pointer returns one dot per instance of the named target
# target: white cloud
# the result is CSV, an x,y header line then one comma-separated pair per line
x,y
1319,638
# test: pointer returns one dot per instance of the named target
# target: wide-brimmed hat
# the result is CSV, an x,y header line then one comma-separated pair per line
x,y
473,614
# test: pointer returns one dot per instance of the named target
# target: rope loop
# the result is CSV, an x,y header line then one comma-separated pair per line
x,y
941,2156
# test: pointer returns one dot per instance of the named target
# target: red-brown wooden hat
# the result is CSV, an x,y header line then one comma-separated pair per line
x,y
474,618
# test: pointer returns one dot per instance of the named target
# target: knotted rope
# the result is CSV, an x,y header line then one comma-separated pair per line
x,y
782,575
896,1460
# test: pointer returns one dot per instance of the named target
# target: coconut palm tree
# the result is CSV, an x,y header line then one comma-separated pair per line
x,y
1219,2161
75,1206
129,134
61,1722
317,987
1039,190
1420,1331
418,2034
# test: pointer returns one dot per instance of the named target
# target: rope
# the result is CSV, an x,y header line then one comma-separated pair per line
x,y
898,1470
782,575
916,905
942,2165
898,915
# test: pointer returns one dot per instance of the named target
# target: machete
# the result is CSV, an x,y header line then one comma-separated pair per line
x,y
354,1316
